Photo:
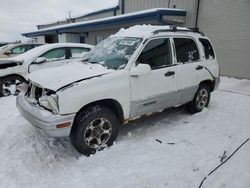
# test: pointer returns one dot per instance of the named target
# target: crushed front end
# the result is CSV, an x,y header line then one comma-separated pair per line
x,y
39,106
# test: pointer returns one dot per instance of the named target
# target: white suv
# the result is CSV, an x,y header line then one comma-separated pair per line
x,y
136,72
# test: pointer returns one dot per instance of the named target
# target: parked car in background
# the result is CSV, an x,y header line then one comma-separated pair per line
x,y
136,72
13,70
3,44
11,50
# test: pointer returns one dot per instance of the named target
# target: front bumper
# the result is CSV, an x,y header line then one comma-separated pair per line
x,y
43,119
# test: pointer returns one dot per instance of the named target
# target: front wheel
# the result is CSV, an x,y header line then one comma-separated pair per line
x,y
201,99
94,129
8,85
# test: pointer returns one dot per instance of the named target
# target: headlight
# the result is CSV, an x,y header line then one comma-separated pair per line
x,y
50,102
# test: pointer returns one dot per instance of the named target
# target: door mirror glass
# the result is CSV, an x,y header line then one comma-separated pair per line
x,y
140,69
40,60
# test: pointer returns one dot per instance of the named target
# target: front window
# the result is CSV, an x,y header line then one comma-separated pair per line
x,y
55,54
157,54
113,53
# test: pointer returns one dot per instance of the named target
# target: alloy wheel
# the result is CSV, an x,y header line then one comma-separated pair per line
x,y
202,99
98,133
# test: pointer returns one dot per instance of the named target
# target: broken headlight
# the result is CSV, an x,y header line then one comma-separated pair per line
x,y
50,102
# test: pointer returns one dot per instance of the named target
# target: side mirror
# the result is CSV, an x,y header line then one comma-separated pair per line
x,y
7,53
140,69
40,60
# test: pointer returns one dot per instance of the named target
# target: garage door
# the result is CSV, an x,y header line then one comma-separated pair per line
x,y
227,23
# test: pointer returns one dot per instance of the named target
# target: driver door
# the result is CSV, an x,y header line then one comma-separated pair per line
x,y
156,90
53,58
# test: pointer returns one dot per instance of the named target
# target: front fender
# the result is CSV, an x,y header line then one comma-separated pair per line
x,y
114,86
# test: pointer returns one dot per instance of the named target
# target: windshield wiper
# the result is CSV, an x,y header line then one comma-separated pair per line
x,y
86,59
95,62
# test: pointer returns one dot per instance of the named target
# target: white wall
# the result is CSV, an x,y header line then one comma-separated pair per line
x,y
227,23
62,38
68,37
40,39
189,5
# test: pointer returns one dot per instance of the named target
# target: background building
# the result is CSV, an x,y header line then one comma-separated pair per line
x,y
226,22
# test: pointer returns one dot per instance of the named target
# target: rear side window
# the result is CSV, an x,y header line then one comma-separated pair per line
x,y
157,54
208,49
19,49
55,54
186,50
78,52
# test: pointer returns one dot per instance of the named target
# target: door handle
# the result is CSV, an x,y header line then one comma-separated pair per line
x,y
170,73
199,67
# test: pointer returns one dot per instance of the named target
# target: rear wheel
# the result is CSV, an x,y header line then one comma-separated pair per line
x,y
201,99
94,129
8,85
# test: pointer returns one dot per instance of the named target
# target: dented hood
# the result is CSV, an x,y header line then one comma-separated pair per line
x,y
58,77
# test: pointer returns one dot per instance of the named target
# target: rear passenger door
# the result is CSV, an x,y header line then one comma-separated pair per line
x,y
187,57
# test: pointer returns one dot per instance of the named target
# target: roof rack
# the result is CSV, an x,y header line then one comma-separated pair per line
x,y
175,29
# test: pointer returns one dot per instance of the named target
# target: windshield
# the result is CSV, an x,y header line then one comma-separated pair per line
x,y
113,53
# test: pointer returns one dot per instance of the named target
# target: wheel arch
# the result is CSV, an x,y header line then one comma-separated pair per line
x,y
13,75
111,104
210,83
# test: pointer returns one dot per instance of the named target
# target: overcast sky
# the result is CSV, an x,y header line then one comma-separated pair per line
x,y
20,16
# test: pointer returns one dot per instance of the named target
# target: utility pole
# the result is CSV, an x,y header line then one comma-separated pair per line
x,y
69,13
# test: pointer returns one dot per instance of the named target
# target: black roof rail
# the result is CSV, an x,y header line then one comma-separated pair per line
x,y
175,29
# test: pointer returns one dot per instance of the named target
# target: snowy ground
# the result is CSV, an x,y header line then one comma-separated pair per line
x,y
191,147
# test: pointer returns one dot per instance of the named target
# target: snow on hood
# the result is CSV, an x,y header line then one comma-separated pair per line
x,y
10,60
18,58
3,56
58,77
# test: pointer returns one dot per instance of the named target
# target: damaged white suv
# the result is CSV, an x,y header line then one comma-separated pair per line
x,y
136,72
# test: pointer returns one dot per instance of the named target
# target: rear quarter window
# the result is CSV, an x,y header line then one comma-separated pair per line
x,y
78,52
208,49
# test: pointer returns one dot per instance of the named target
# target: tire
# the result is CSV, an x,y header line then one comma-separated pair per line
x,y
94,129
201,99
8,85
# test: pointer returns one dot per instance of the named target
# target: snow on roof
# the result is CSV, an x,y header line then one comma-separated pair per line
x,y
141,31
104,19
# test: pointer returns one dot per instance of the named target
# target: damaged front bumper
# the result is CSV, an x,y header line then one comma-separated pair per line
x,y
49,123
